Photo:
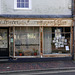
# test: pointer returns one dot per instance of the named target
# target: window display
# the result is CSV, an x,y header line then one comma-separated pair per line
x,y
26,41
61,41
58,40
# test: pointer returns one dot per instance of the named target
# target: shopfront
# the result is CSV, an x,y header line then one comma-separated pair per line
x,y
38,38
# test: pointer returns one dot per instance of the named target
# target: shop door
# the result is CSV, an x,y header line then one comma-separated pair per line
x,y
4,50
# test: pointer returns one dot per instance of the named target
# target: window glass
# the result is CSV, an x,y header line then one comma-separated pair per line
x,y
27,41
3,38
57,40
22,3
47,37
67,29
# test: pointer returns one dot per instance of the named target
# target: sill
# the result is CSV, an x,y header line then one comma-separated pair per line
x,y
57,55
44,56
62,53
27,56
22,9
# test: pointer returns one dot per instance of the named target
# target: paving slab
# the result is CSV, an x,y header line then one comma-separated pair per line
x,y
36,66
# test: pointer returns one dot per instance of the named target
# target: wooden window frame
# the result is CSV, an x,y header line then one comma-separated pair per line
x,y
41,46
62,55
14,44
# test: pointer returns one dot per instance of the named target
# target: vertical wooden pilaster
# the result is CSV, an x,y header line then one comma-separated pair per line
x,y
14,41
9,41
71,39
74,40
41,41
73,12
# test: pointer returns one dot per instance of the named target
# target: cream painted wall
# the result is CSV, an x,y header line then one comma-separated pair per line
x,y
39,7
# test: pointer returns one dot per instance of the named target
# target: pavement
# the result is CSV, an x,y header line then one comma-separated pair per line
x,y
36,66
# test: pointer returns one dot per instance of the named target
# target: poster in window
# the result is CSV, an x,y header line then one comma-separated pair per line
x,y
67,48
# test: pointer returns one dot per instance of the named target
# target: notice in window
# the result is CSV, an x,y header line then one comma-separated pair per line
x,y
11,39
67,48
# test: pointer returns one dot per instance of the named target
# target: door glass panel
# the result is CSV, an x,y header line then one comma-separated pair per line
x,y
3,38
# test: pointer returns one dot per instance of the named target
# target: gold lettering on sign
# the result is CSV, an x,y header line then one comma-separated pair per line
x,y
36,22
60,22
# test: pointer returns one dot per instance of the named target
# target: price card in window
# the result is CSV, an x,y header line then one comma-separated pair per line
x,y
11,39
67,48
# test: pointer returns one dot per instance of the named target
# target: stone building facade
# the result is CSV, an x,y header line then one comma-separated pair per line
x,y
36,29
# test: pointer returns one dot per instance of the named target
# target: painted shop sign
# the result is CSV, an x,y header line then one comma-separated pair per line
x,y
30,22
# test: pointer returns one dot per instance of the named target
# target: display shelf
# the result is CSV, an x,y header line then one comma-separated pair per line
x,y
27,45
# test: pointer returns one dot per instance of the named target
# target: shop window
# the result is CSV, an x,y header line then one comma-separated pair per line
x,y
53,29
57,40
27,41
47,37
67,29
22,4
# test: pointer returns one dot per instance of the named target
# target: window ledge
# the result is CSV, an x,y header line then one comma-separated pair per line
x,y
22,9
